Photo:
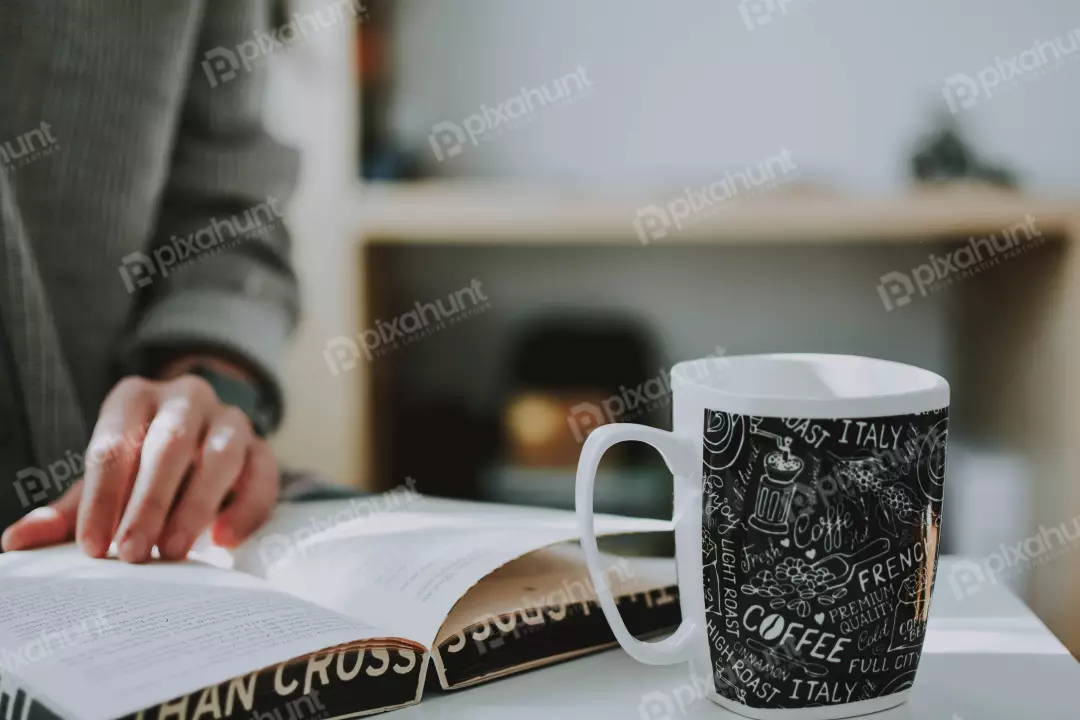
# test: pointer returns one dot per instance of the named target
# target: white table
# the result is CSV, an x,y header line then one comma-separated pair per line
x,y
987,657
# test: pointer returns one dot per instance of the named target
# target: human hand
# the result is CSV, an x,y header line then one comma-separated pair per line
x,y
166,460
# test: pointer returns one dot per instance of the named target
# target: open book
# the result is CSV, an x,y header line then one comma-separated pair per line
x,y
335,609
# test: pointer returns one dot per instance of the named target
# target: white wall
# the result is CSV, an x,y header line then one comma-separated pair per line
x,y
683,87
312,104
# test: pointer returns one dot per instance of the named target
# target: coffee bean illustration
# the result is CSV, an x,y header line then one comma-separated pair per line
x,y
771,627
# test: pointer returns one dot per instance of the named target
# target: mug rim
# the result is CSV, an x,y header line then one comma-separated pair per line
x,y
916,390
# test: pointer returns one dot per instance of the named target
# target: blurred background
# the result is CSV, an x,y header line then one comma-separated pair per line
x,y
514,217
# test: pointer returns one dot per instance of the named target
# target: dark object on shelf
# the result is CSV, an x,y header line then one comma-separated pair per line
x,y
570,373
443,445
381,157
945,156
582,352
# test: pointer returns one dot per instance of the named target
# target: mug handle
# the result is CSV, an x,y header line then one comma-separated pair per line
x,y
678,454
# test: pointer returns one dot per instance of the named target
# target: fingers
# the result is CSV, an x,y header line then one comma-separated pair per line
x,y
168,452
164,459
112,459
219,467
253,498
49,525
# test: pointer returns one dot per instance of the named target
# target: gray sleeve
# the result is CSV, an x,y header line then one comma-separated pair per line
x,y
221,247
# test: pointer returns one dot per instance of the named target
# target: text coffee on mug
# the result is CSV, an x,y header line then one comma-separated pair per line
x,y
808,492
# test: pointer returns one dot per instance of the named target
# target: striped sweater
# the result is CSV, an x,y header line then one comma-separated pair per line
x,y
140,211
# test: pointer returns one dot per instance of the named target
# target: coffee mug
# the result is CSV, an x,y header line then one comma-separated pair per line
x,y
808,493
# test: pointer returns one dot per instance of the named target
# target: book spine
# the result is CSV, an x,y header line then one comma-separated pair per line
x,y
343,683
497,645
18,702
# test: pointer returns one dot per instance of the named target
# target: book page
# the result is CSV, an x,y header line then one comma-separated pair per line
x,y
553,577
99,639
404,570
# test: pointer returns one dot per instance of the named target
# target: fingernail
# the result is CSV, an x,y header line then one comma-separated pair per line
x,y
176,547
223,535
5,540
95,547
133,549
44,513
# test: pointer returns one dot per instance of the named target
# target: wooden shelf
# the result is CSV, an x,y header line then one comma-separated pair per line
x,y
465,213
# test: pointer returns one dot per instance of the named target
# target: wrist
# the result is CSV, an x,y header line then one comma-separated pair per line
x,y
183,365
233,384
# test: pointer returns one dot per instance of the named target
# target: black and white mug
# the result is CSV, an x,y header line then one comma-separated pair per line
x,y
808,493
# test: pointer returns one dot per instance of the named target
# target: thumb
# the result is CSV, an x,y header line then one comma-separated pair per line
x,y
49,525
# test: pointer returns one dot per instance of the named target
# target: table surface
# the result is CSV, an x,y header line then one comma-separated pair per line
x,y
986,657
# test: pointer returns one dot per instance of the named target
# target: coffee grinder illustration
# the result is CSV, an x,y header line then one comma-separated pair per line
x,y
776,488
